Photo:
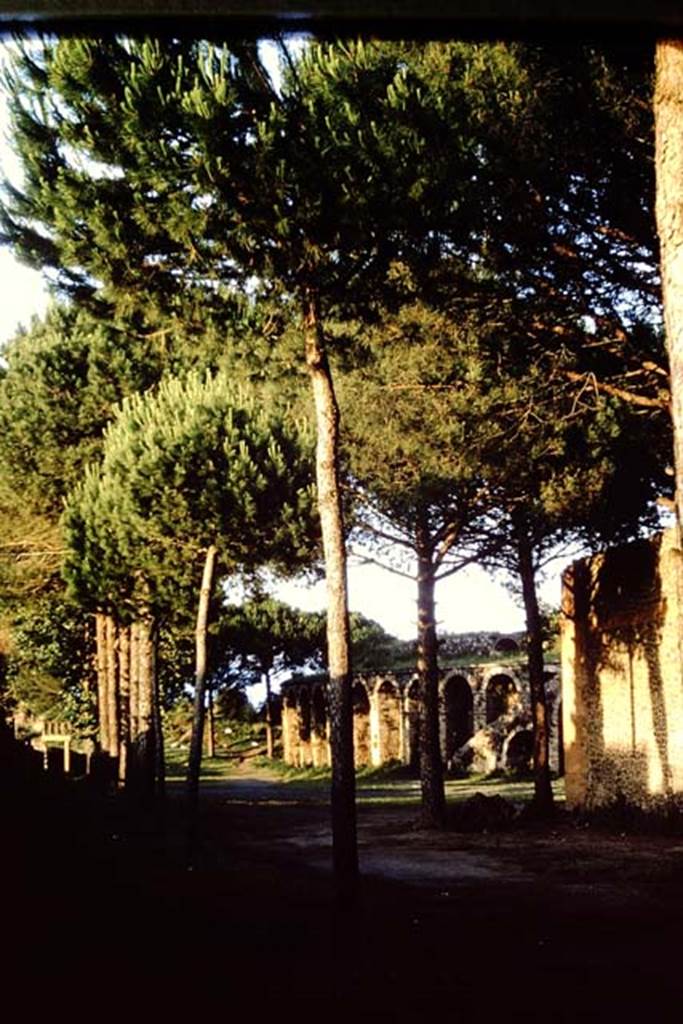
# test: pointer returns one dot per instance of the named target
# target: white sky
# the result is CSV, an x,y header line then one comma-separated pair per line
x,y
468,601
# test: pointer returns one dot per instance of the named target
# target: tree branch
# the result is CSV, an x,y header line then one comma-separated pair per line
x,y
454,567
590,380
368,560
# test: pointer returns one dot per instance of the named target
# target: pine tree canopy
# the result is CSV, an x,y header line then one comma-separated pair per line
x,y
199,462
161,175
267,635
459,425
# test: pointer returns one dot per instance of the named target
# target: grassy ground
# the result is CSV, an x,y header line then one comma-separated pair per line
x,y
386,784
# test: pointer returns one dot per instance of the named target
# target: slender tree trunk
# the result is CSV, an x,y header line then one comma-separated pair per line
x,y
668,109
543,793
431,766
269,715
158,728
124,708
89,676
102,703
112,687
211,730
343,794
133,770
201,669
134,681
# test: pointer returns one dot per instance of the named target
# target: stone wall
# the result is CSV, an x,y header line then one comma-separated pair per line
x,y
485,720
621,675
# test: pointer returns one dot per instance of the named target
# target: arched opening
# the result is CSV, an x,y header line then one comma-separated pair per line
x,y
361,725
304,716
388,712
506,645
319,712
413,709
459,714
520,751
501,697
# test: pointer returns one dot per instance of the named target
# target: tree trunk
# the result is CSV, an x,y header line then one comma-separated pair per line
x,y
144,750
211,730
134,682
431,766
157,720
668,109
124,707
543,793
343,794
269,715
133,770
112,686
89,676
201,669
102,704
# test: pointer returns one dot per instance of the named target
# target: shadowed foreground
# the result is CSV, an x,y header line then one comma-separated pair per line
x,y
561,923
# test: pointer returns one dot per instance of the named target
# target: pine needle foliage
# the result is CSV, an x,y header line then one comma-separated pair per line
x,y
199,462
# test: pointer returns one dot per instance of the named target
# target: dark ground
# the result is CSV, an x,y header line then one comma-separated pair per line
x,y
558,923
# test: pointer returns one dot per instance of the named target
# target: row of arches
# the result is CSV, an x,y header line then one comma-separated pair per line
x,y
386,716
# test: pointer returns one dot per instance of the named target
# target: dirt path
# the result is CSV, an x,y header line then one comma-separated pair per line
x,y
553,924
558,924
254,807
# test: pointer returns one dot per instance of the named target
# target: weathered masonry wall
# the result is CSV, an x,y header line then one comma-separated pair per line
x,y
485,720
621,676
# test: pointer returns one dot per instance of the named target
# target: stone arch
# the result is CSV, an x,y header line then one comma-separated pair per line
x,y
518,751
361,725
304,706
458,706
413,716
319,727
389,721
501,696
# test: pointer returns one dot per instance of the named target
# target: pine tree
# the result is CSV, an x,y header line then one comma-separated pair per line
x,y
468,444
195,469
423,414
271,637
62,380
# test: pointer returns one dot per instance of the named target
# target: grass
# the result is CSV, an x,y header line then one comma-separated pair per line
x,y
217,767
387,773
508,786
389,783
213,768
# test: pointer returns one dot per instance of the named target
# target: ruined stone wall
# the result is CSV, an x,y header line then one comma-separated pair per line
x,y
621,676
485,719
